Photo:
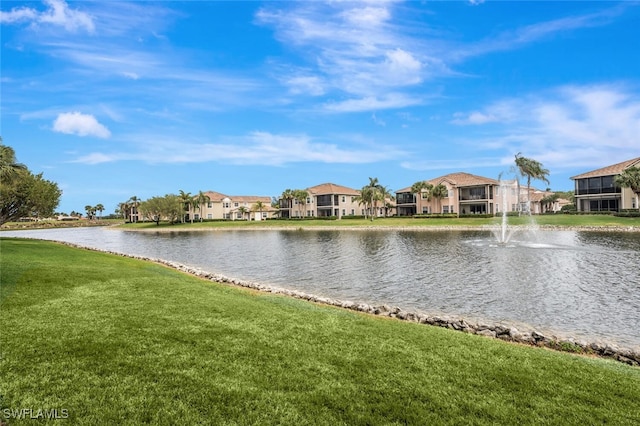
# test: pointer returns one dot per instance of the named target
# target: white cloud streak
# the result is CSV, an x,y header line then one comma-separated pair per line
x,y
76,123
256,148
58,14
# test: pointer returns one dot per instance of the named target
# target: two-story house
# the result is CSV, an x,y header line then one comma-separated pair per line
x,y
597,191
324,200
465,194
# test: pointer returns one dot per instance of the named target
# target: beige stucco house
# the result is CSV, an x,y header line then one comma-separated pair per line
x,y
596,190
466,194
234,207
324,200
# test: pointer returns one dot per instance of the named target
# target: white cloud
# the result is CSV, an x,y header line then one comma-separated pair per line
x,y
366,16
372,103
57,14
309,85
256,148
572,126
76,123
353,49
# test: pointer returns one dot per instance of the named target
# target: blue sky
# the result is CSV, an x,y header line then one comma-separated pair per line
x,y
112,99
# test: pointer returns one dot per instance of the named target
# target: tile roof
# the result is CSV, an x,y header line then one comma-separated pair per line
x,y
331,188
218,197
458,179
614,169
464,179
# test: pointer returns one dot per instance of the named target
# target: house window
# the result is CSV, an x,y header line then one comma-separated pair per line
x,y
239,215
226,206
425,209
451,193
227,215
344,212
236,204
445,209
344,199
209,205
425,195
353,212
264,215
209,216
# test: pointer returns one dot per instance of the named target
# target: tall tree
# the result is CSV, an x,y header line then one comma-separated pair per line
x,y
531,169
9,166
243,210
90,211
300,195
375,195
199,201
187,202
421,188
99,208
365,198
259,207
169,208
24,194
387,199
439,192
287,197
630,178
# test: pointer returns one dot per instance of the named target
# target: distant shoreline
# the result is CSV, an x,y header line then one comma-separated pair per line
x,y
423,228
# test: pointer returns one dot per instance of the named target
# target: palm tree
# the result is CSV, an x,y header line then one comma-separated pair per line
x,y
243,210
418,189
375,186
287,196
630,178
300,195
439,192
99,208
387,198
201,199
9,166
90,211
187,201
532,169
259,207
365,197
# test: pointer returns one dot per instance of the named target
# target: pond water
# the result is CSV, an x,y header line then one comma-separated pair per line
x,y
584,285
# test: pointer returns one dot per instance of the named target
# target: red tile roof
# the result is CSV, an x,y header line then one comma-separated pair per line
x,y
331,188
459,179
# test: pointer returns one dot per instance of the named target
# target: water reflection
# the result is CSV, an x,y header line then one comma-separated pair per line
x,y
584,284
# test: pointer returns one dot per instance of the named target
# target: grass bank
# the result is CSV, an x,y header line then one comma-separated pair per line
x,y
558,220
114,340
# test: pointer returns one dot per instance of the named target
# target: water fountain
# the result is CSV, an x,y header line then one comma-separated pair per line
x,y
503,233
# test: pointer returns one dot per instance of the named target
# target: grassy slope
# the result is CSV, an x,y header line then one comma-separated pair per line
x,y
120,341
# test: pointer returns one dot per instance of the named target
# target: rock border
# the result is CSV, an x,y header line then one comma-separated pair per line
x,y
499,331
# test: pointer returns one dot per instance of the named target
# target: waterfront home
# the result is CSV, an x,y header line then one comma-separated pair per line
x,y
597,191
464,194
324,200
234,207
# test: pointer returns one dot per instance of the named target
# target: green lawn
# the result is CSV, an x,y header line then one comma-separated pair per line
x,y
114,340
561,220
